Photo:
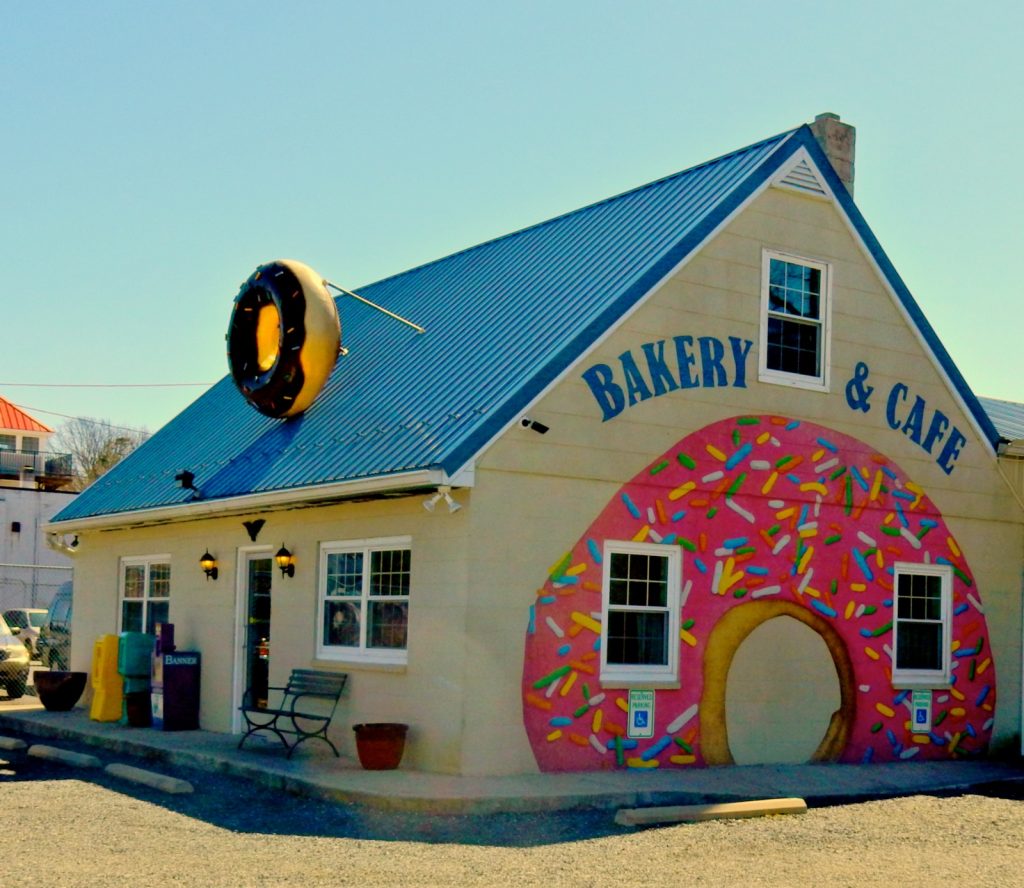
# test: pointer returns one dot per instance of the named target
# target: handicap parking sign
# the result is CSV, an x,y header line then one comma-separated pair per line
x,y
640,724
921,712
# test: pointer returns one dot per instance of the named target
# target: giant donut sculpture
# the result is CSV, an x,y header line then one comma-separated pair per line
x,y
283,338
776,518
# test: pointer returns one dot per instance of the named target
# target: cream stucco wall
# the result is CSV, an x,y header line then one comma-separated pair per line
x,y
427,694
475,573
560,481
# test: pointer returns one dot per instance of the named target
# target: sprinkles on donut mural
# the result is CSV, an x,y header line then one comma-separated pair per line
x,y
773,517
283,338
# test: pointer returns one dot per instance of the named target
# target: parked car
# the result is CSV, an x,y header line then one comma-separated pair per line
x,y
55,635
26,622
13,662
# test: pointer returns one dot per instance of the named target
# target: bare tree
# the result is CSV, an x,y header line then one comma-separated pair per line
x,y
96,445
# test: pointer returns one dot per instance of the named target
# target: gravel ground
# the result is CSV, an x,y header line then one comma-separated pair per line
x,y
76,827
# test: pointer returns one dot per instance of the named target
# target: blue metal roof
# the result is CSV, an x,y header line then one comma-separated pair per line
x,y
1007,416
503,320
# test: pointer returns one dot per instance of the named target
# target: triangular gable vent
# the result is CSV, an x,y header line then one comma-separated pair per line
x,y
802,176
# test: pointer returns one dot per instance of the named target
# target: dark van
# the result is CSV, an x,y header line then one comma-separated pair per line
x,y
55,635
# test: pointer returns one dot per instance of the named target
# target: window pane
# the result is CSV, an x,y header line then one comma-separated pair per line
x,y
638,580
811,305
159,611
637,638
919,645
159,580
794,276
341,623
345,573
794,290
389,572
919,597
386,627
134,581
617,591
793,347
131,616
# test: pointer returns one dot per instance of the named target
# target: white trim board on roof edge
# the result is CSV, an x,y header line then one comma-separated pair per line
x,y
278,499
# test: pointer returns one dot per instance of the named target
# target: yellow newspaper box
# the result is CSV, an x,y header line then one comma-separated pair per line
x,y
107,684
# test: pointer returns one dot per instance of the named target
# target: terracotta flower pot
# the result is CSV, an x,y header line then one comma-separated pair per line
x,y
380,745
59,691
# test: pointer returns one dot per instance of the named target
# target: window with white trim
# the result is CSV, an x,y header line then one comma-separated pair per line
x,y
922,609
145,593
640,612
364,600
795,311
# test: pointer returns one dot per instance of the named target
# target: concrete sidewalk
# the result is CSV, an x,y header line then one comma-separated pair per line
x,y
313,771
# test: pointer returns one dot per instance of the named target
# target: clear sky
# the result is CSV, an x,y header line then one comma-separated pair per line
x,y
153,154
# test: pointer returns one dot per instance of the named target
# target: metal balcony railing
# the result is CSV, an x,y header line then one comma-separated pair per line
x,y
38,464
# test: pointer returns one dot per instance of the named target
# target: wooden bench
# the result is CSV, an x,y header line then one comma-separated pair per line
x,y
288,719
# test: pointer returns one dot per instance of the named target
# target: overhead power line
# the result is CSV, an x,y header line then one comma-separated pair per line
x,y
106,385
100,422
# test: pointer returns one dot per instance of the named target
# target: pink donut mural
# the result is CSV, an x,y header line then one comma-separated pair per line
x,y
772,517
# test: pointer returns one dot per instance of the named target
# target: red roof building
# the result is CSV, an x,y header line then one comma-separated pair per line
x,y
16,420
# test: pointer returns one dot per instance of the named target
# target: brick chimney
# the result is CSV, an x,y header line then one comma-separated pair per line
x,y
838,141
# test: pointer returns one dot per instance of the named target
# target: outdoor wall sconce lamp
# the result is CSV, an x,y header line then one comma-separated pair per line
x,y
209,565
286,561
444,492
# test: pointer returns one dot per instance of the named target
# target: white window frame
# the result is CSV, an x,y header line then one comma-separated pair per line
x,y
361,654
943,676
146,562
616,674
819,383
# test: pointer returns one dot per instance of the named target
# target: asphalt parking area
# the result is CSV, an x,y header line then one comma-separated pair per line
x,y
241,806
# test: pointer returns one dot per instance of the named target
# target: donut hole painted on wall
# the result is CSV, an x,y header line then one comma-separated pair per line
x,y
283,338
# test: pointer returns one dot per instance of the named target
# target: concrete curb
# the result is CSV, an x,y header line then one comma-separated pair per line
x,y
172,785
819,785
12,744
64,756
699,813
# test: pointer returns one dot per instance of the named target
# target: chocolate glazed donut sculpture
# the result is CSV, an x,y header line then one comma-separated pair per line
x,y
284,338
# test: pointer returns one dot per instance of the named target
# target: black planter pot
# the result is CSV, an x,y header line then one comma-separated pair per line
x,y
59,691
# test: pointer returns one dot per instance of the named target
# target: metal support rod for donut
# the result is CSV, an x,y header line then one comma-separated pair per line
x,y
390,314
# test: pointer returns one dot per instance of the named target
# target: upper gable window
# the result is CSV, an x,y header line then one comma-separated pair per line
x,y
795,312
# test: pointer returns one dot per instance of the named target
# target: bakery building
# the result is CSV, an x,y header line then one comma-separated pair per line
x,y
682,478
